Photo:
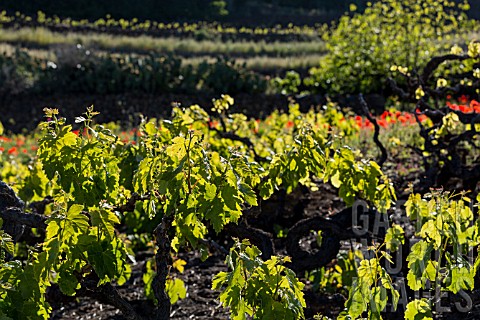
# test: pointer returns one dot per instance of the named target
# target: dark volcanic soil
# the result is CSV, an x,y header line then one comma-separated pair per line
x,y
201,302
25,112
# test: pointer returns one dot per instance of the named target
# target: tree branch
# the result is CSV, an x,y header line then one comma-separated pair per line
x,y
435,62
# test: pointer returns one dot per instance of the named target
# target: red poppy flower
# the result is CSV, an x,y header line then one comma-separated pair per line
x,y
422,117
382,123
13,150
463,98
289,124
475,105
359,121
403,119
465,109
213,124
452,106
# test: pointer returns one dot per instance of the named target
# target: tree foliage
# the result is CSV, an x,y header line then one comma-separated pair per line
x,y
363,47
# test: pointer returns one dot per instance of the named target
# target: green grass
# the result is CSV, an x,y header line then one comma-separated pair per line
x,y
266,64
41,37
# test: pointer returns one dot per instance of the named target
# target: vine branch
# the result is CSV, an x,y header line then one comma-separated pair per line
x,y
162,261
384,154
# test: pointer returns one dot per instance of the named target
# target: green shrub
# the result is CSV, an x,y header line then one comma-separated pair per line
x,y
289,84
78,71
